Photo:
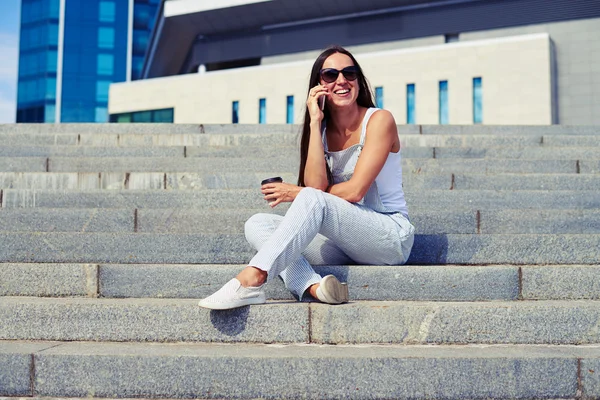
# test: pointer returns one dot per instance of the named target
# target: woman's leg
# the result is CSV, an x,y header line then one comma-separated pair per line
x,y
364,235
299,275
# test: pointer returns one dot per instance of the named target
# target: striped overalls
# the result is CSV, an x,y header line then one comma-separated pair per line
x,y
322,229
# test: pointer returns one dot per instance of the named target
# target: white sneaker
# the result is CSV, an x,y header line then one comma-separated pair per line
x,y
233,295
332,291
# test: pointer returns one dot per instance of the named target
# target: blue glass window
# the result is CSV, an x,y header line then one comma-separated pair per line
x,y
290,110
53,34
102,91
106,12
235,109
50,88
379,97
101,114
477,101
106,38
51,60
105,64
262,111
54,8
164,115
50,113
140,41
410,103
142,16
443,102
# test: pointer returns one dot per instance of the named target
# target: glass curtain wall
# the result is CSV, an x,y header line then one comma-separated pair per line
x,y
38,56
94,56
144,17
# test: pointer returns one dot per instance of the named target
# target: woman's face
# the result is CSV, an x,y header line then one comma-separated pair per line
x,y
342,92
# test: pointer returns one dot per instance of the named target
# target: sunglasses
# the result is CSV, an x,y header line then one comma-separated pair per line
x,y
330,75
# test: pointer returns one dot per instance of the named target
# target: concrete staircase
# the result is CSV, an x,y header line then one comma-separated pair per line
x,y
110,233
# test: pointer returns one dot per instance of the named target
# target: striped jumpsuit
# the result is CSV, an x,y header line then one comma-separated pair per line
x,y
322,229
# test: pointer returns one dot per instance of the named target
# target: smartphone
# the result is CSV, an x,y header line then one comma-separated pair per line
x,y
322,100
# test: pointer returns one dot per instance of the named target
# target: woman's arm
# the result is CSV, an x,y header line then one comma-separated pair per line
x,y
315,172
382,134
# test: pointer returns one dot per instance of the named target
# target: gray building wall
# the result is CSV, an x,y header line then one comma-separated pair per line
x,y
577,62
577,47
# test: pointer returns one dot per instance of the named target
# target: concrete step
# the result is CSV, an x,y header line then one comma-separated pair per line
x,y
91,151
138,370
390,322
232,221
124,138
512,153
148,164
275,150
141,180
433,200
156,128
284,164
372,282
150,248
250,180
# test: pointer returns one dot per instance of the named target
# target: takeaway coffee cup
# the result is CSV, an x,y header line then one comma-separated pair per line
x,y
271,180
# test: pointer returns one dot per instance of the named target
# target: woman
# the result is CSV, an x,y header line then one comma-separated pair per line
x,y
345,209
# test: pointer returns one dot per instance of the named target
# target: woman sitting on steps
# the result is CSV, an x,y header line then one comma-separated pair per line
x,y
345,209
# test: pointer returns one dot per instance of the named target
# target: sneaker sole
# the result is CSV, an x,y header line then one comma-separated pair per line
x,y
233,304
333,290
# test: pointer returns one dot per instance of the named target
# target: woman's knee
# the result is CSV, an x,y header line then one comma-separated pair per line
x,y
259,227
310,195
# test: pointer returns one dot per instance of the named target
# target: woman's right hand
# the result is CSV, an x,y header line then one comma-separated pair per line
x,y
313,103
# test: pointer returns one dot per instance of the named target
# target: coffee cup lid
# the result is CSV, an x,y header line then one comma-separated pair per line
x,y
271,180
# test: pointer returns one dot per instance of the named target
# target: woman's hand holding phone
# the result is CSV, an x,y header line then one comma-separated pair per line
x,y
316,102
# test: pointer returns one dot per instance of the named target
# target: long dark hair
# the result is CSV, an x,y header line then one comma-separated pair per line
x,y
365,99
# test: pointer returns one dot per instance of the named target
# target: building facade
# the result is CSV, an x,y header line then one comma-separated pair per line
x,y
72,50
443,62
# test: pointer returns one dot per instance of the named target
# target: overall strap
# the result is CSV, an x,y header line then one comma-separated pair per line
x,y
324,135
363,133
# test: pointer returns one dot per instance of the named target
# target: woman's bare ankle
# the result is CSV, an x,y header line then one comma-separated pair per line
x,y
313,290
252,276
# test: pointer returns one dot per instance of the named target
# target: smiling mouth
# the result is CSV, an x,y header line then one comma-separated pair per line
x,y
343,91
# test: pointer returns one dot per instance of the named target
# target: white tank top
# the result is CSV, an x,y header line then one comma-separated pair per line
x,y
386,194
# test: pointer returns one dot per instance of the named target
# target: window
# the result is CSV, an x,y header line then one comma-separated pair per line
x,y
51,60
410,103
50,88
105,64
235,108
379,97
140,42
290,110
50,113
53,34
106,12
477,101
106,38
163,115
102,91
443,102
101,114
262,111
142,16
54,9
451,37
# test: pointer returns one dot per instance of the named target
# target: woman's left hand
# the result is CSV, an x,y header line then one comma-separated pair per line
x,y
279,192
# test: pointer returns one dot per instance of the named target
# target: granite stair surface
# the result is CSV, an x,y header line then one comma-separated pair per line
x,y
110,233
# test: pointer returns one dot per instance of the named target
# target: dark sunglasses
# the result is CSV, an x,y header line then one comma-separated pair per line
x,y
331,74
